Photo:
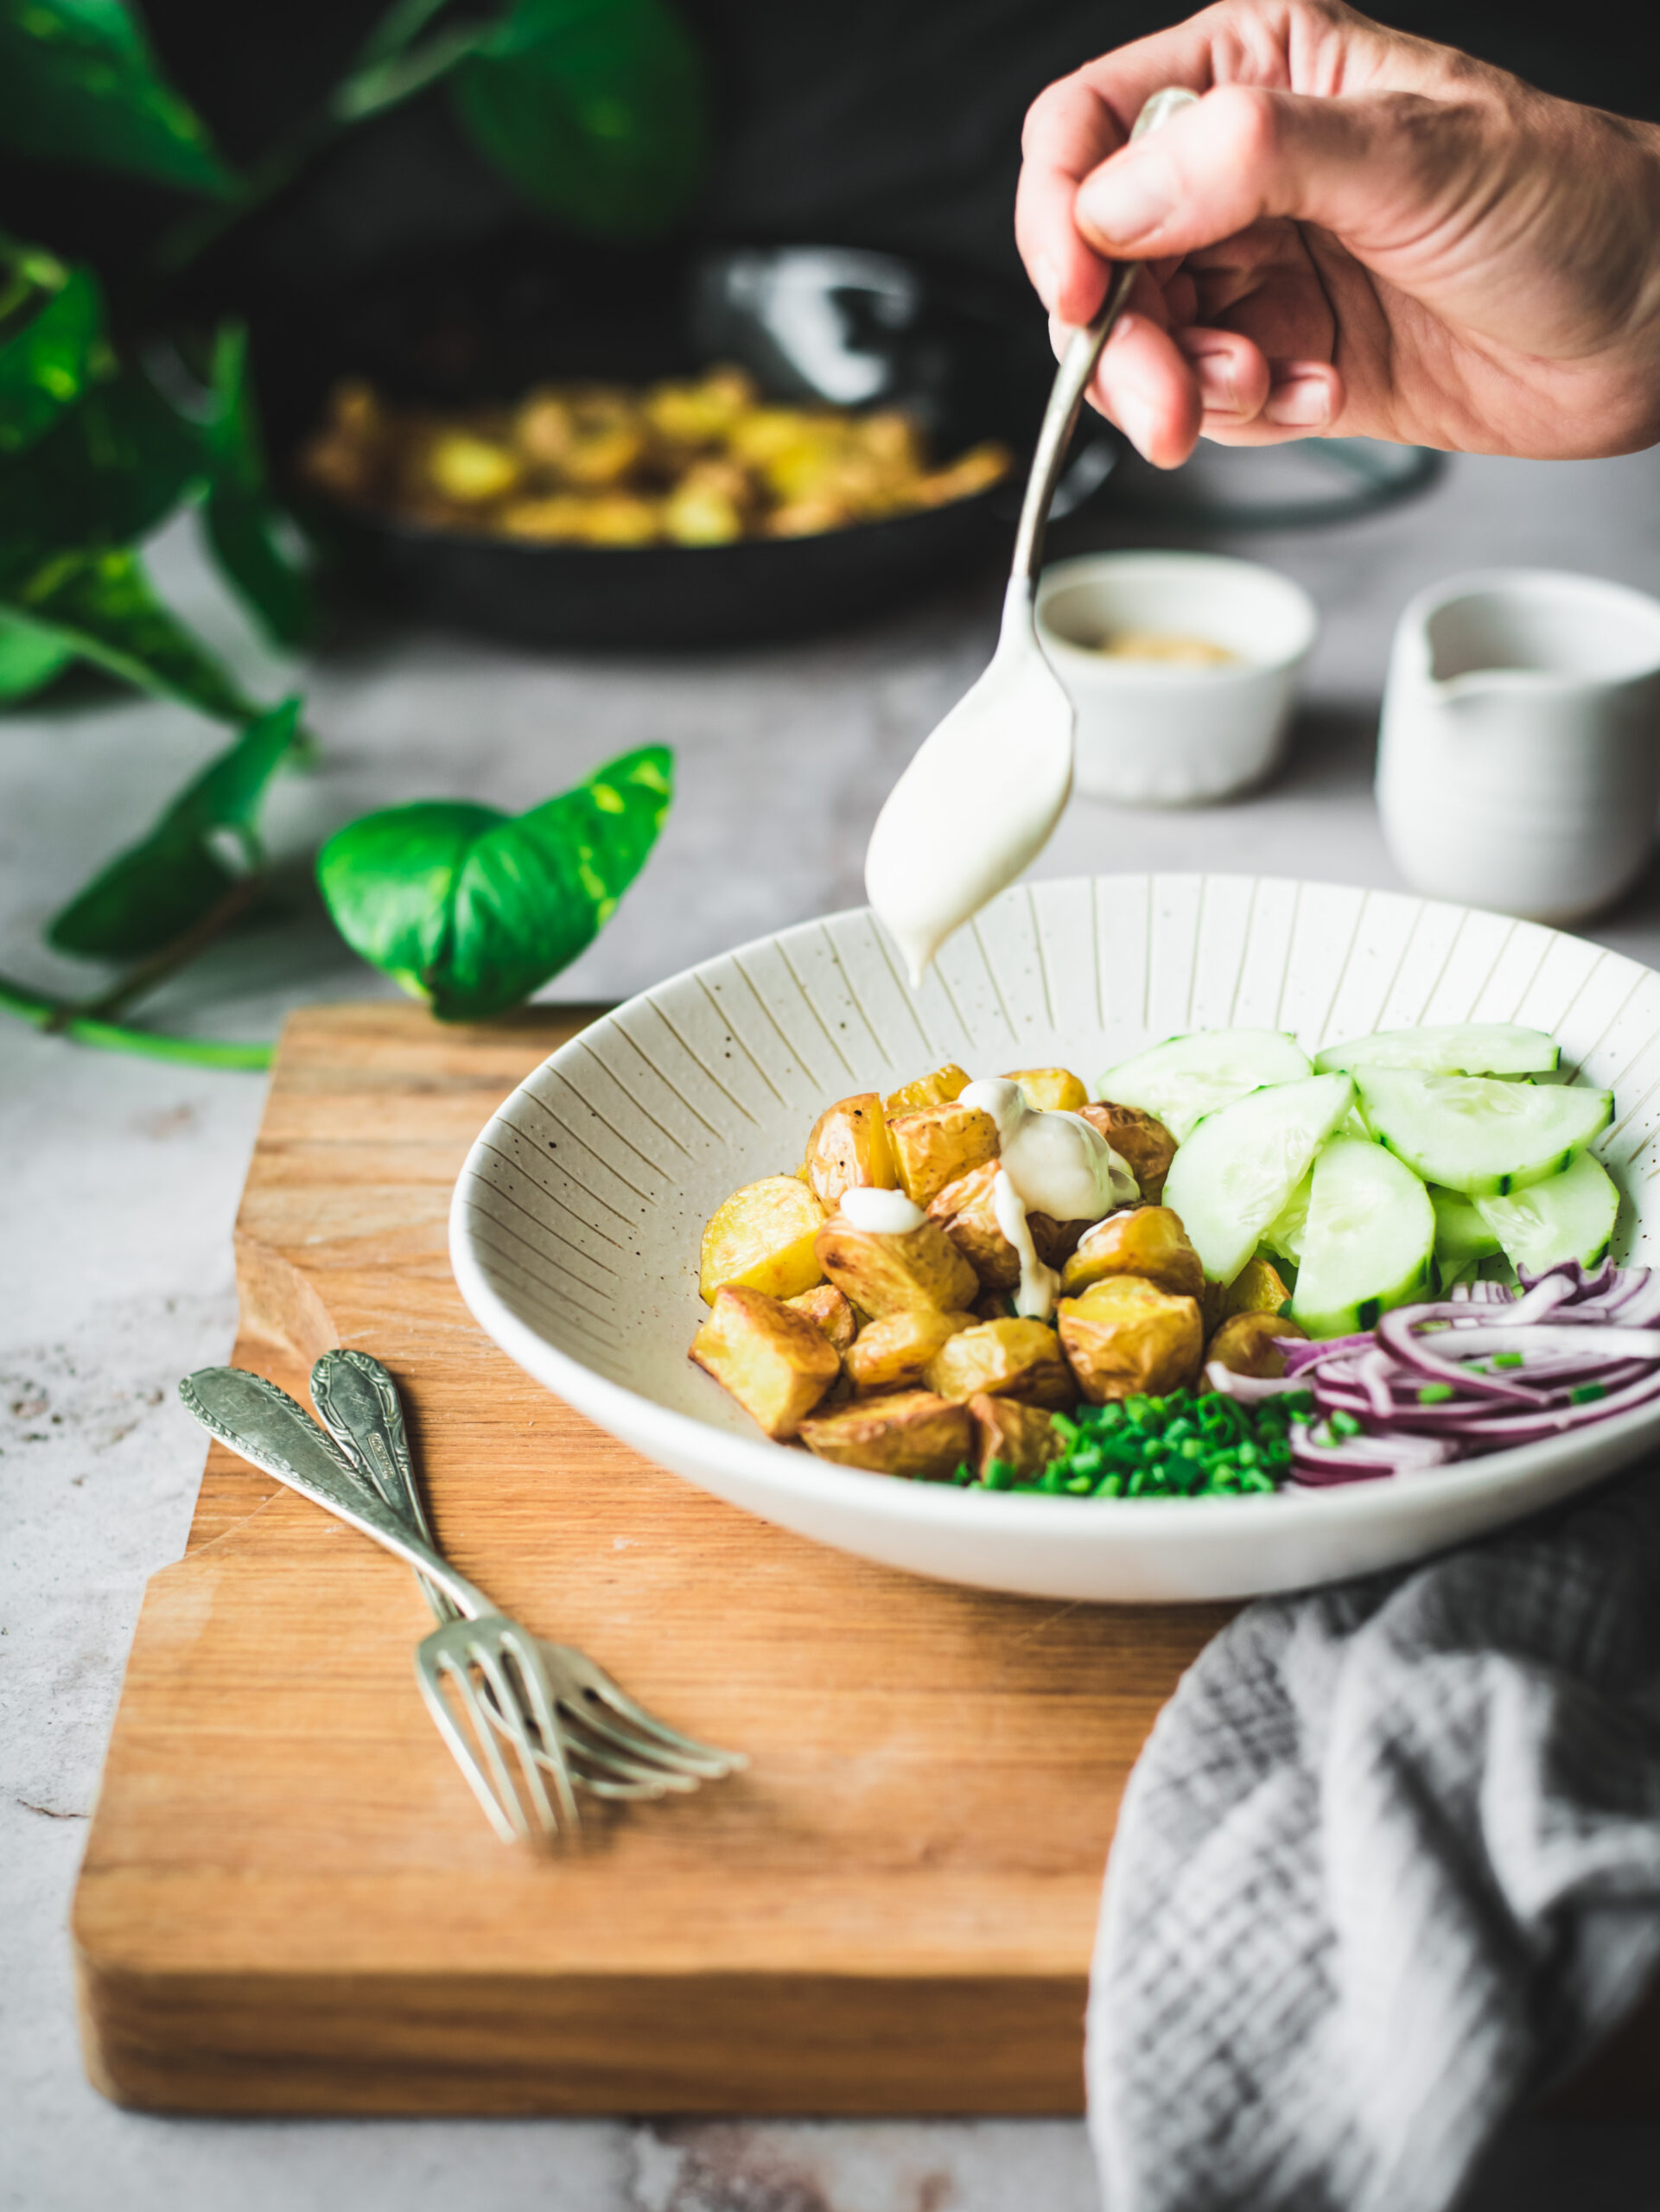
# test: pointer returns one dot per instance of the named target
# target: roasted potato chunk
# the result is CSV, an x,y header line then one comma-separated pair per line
x,y
892,1354
884,1272
1258,1288
1024,1438
1145,1241
1125,1335
935,1090
964,1210
776,1362
1144,1145
1051,1091
1007,1358
934,1145
907,1433
830,1312
762,1238
849,1150
1245,1344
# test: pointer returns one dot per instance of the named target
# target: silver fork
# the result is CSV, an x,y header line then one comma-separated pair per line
x,y
265,1426
615,1747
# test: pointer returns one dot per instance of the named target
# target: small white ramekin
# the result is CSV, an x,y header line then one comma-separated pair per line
x,y
1168,733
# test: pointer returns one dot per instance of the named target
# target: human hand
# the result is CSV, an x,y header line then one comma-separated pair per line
x,y
1355,233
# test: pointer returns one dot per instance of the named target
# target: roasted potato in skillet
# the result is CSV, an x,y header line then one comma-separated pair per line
x,y
1144,1145
1145,1241
892,1354
935,1145
1006,1358
849,1150
762,1238
1023,1437
1125,1335
884,1272
777,1364
908,1433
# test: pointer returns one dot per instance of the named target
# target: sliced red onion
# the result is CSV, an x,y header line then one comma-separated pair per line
x,y
1397,1334
1249,1389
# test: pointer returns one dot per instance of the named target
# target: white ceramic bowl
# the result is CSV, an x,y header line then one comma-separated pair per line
x,y
1171,733
576,1218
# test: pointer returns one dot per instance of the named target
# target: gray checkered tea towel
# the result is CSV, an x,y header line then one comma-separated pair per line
x,y
1390,1862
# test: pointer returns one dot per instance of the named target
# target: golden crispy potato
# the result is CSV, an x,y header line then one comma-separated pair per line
x,y
1245,1344
1145,1241
621,518
933,1145
907,1433
892,1354
471,470
848,1149
1006,1358
827,1310
885,1273
700,514
978,469
964,1210
1144,1144
1024,1438
1256,1288
696,414
560,518
777,1364
1052,1090
935,1090
762,1238
601,454
1126,1335
992,1306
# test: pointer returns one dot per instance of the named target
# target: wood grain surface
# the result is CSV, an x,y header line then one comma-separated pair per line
x,y
290,1901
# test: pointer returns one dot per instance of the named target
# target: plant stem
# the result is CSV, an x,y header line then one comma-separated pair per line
x,y
193,1051
160,965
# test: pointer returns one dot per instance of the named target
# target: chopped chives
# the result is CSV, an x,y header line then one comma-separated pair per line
x,y
1435,1394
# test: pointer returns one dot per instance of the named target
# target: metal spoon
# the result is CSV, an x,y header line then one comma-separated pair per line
x,y
982,796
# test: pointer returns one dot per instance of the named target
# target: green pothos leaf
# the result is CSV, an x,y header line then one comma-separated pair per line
x,y
49,355
79,83
30,658
100,606
102,477
205,843
473,908
595,109
242,522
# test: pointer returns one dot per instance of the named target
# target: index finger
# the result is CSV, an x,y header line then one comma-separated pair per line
x,y
1069,130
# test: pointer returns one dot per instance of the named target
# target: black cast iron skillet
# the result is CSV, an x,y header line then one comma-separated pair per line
x,y
968,356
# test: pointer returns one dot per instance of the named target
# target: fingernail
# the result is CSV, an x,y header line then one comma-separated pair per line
x,y
1303,404
1047,279
1216,384
1124,200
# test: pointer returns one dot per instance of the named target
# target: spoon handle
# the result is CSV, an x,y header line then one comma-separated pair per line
x,y
1073,376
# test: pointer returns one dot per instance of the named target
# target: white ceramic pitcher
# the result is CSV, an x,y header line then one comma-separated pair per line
x,y
1519,759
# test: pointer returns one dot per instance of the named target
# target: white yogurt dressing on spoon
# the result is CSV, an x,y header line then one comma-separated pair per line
x,y
980,800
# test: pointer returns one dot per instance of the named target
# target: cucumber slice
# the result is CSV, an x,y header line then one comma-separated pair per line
x,y
1473,1133
1186,1077
1461,1235
1284,1234
1453,1048
1569,1218
1369,1242
1241,1163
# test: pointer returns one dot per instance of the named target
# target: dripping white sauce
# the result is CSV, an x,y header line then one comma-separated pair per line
x,y
886,1213
1051,1163
1034,1300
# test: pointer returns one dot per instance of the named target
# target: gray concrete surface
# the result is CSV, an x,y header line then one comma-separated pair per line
x,y
118,1179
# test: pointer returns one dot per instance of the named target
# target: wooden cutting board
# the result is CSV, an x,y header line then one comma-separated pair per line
x,y
290,1901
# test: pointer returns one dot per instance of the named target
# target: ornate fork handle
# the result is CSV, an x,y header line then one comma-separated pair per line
x,y
266,1428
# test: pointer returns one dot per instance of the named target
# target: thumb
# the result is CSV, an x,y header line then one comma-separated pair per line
x,y
1363,166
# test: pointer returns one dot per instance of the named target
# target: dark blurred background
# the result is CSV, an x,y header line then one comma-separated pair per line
x,y
881,122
